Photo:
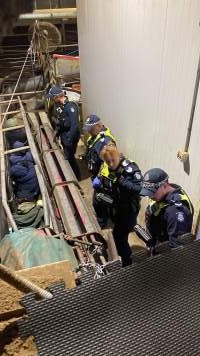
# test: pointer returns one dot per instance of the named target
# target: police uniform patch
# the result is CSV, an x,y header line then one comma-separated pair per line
x,y
180,216
72,109
125,163
138,175
129,169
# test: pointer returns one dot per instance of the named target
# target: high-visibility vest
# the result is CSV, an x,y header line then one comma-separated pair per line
x,y
92,140
157,207
111,177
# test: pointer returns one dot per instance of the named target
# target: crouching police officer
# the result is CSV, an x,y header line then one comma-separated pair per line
x,y
65,123
170,212
99,136
118,185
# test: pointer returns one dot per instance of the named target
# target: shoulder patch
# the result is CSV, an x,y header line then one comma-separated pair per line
x,y
138,176
129,169
180,216
72,109
125,163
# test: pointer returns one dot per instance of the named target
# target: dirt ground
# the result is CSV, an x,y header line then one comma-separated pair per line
x,y
10,342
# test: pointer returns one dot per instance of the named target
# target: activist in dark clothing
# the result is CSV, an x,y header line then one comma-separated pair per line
x,y
65,123
118,185
22,171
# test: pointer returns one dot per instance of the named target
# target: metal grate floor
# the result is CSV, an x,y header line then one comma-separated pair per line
x,y
149,309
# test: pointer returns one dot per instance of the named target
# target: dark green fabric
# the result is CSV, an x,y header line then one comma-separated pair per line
x,y
31,218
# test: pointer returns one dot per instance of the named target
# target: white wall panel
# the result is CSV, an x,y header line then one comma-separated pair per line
x,y
138,68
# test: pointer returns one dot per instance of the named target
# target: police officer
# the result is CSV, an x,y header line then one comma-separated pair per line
x,y
119,184
65,123
170,212
99,136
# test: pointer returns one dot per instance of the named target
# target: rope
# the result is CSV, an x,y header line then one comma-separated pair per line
x,y
99,269
29,51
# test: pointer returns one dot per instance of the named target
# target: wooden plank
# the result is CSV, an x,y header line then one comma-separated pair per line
x,y
44,276
61,270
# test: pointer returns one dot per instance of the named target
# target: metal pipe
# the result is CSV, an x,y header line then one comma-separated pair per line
x,y
22,284
38,162
16,150
190,124
50,14
111,246
10,112
29,136
13,128
42,190
3,185
66,209
83,242
12,58
65,46
85,215
23,93
80,255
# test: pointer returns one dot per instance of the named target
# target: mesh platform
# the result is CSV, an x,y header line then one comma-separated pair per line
x,y
147,309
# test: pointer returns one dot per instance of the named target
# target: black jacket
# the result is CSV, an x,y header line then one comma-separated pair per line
x,y
66,123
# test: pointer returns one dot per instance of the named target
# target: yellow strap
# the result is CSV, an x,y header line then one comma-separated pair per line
x,y
162,205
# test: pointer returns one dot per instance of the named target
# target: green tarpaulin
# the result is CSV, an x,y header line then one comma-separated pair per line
x,y
30,247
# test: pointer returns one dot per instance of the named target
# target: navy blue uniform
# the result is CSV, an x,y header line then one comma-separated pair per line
x,y
171,218
66,125
94,146
123,186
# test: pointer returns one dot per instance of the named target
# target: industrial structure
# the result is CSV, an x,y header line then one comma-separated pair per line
x,y
143,58
136,65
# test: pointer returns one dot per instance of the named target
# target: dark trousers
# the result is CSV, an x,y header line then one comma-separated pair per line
x,y
101,210
69,151
124,219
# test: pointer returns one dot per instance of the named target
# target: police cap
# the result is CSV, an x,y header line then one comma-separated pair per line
x,y
152,180
54,91
91,121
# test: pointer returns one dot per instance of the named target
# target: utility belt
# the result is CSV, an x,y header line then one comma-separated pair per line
x,y
91,165
92,160
104,199
109,200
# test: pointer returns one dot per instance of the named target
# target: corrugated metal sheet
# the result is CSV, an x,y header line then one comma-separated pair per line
x,y
138,67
